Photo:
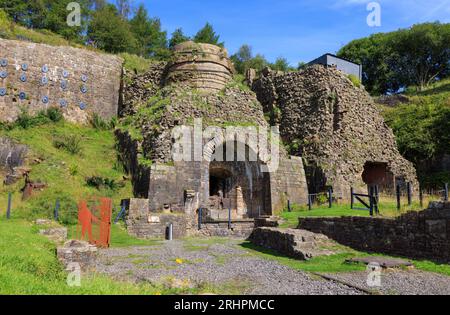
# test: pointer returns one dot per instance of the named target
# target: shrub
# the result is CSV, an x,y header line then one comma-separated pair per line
x,y
54,114
102,182
70,143
25,120
100,124
356,82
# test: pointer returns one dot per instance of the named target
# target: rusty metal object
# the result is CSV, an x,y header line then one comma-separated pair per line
x,y
94,221
30,186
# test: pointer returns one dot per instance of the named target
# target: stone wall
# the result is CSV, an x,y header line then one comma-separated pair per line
x,y
239,229
335,126
138,88
288,183
38,76
424,234
144,224
298,244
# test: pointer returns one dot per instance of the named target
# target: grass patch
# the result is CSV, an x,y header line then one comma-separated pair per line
x,y
28,265
120,237
135,63
387,207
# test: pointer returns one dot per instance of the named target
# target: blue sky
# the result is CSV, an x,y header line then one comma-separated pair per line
x,y
299,30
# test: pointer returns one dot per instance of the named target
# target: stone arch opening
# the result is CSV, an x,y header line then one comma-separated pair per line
x,y
236,184
378,173
219,182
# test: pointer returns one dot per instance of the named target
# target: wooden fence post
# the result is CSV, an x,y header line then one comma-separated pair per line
x,y
371,200
330,197
446,192
421,197
409,189
398,197
352,200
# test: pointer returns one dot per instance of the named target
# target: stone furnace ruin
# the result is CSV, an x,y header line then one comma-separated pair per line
x,y
331,135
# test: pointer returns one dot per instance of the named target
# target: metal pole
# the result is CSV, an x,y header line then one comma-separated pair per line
x,y
408,186
200,218
121,212
309,202
352,200
8,210
398,197
289,206
330,197
377,199
229,218
56,213
446,192
170,234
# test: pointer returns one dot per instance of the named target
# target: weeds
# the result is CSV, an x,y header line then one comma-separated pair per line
x,y
70,143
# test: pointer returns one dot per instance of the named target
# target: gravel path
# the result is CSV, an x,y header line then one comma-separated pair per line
x,y
217,264
404,282
222,262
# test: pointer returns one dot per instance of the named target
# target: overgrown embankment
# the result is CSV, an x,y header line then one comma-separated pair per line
x,y
74,162
421,124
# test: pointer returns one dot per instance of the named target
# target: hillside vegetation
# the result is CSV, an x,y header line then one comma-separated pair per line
x,y
75,162
422,129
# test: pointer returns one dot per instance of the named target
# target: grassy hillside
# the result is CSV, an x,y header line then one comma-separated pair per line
x,y
66,173
422,128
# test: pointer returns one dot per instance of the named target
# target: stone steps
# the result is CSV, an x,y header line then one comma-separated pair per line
x,y
300,244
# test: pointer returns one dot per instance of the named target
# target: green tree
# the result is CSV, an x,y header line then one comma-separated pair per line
x,y
281,64
56,19
258,63
151,40
124,8
423,53
243,60
208,35
110,32
413,56
18,10
177,38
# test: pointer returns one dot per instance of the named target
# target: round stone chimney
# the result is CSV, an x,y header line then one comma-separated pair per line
x,y
204,67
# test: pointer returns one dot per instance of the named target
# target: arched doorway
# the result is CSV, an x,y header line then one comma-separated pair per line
x,y
378,173
238,185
